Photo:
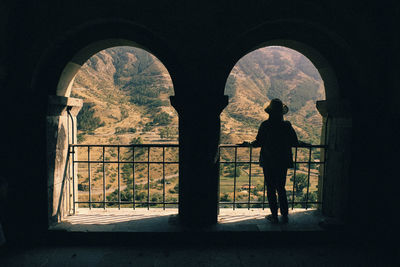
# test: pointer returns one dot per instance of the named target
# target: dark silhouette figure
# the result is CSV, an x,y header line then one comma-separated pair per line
x,y
276,137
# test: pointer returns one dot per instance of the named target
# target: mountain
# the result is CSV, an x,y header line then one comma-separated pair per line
x,y
264,74
126,92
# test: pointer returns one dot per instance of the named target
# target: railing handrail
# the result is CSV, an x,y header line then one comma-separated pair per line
x,y
132,145
299,146
164,162
177,145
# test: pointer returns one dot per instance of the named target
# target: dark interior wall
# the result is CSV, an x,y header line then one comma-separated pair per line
x,y
199,42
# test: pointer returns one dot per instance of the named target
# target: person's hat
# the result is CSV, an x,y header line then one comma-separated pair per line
x,y
276,106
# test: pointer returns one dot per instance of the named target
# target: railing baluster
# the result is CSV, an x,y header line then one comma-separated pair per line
x,y
236,164
250,152
219,180
234,181
148,178
69,191
133,177
308,177
263,204
104,179
294,176
163,172
90,183
73,179
119,179
118,161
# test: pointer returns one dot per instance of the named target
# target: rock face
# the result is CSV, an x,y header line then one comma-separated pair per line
x,y
267,73
129,88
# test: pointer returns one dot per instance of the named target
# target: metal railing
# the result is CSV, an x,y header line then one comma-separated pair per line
x,y
120,186
246,162
134,180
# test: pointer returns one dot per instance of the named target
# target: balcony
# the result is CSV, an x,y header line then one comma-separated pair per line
x,y
134,188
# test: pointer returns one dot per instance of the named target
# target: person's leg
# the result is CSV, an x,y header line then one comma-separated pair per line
x,y
271,191
280,187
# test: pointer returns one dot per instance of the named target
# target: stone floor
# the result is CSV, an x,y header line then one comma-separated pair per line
x,y
158,220
247,233
204,255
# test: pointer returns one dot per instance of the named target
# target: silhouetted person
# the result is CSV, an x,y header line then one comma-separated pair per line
x,y
276,138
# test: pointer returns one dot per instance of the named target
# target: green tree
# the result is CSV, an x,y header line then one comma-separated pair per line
x,y
136,140
156,197
175,189
230,170
166,132
299,183
124,113
81,137
162,119
225,198
86,121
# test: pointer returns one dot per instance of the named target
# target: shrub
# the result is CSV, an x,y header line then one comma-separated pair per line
x,y
86,121
124,113
225,198
121,130
162,119
300,183
147,127
166,132
81,137
136,140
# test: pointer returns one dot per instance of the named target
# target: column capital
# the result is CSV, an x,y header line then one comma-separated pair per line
x,y
199,105
57,105
334,107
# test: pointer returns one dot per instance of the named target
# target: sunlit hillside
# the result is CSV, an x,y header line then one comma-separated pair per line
x,y
126,91
126,94
267,73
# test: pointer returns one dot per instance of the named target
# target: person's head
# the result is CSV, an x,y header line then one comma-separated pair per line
x,y
276,109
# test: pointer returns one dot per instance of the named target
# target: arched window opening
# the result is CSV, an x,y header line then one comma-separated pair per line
x,y
258,77
123,140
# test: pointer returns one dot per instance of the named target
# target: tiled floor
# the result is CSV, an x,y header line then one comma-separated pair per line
x,y
158,220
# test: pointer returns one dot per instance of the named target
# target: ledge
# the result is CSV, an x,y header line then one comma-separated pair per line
x,y
65,101
57,105
159,220
155,226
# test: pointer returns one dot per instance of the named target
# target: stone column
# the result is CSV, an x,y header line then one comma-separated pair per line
x,y
61,131
199,136
337,135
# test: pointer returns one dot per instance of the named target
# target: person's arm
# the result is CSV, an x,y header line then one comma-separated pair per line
x,y
301,143
294,141
254,143
292,136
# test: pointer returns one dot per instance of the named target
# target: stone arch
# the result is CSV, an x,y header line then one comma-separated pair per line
x,y
72,67
53,79
329,54
338,69
63,58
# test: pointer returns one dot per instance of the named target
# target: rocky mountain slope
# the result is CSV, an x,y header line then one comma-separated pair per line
x,y
267,73
126,94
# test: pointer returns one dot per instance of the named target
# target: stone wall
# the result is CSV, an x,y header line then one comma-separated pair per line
x,y
61,131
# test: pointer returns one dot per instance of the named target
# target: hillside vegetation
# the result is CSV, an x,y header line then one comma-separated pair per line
x,y
126,93
267,73
126,101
